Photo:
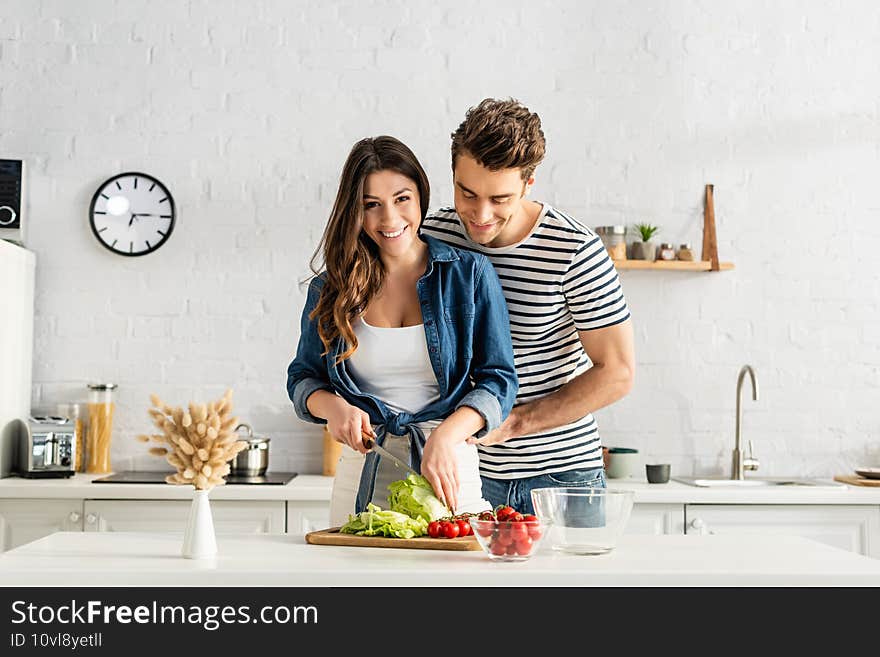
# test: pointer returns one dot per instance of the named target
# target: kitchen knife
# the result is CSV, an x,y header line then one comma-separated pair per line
x,y
370,443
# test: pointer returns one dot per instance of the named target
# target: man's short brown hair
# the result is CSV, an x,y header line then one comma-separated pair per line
x,y
500,134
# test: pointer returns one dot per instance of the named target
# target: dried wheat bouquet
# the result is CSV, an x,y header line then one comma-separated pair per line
x,y
200,441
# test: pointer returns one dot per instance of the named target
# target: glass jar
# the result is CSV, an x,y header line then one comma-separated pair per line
x,y
76,413
614,239
666,252
100,431
685,253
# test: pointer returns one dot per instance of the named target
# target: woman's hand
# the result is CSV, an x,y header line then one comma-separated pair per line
x,y
439,461
344,421
440,466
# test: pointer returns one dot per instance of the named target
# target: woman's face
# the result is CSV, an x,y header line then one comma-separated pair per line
x,y
392,212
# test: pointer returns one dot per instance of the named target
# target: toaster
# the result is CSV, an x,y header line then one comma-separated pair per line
x,y
47,447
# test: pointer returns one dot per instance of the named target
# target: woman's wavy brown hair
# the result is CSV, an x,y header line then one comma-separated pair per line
x,y
354,271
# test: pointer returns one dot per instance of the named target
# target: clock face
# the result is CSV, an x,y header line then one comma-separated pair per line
x,y
132,214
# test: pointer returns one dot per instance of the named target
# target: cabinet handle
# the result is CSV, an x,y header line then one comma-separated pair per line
x,y
74,516
91,518
697,523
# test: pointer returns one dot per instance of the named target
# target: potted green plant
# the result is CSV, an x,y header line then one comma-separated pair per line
x,y
644,249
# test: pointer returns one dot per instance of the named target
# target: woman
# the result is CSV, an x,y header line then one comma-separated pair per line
x,y
402,336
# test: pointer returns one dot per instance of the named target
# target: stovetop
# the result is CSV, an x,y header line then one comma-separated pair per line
x,y
150,477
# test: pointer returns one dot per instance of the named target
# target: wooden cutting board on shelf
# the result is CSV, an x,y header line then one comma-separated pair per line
x,y
333,537
855,480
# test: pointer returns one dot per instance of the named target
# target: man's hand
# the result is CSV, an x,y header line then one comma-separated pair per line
x,y
503,433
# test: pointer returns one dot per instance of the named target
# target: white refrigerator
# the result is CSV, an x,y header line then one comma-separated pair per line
x,y
17,266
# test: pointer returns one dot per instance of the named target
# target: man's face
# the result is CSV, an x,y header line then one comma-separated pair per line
x,y
490,203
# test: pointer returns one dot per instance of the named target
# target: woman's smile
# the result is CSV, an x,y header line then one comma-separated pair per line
x,y
390,235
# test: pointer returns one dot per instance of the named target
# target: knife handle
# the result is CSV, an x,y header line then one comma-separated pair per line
x,y
368,440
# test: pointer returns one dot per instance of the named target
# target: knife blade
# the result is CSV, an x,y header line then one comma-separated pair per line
x,y
370,443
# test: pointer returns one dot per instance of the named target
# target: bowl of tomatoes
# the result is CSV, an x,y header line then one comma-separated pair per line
x,y
505,534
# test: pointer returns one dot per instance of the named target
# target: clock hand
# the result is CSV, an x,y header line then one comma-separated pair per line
x,y
132,219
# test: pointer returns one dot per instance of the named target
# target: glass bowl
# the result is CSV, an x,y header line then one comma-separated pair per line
x,y
503,540
583,520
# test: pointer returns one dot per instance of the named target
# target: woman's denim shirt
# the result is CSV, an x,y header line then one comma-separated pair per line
x,y
468,336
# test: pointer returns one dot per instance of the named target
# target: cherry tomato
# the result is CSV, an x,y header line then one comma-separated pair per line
x,y
497,548
502,512
486,515
503,537
517,530
528,517
484,529
464,527
516,516
534,531
434,528
511,549
524,545
450,529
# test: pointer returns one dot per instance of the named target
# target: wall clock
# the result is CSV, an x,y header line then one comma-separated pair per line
x,y
132,214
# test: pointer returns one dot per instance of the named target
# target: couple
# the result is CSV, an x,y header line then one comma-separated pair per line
x,y
473,343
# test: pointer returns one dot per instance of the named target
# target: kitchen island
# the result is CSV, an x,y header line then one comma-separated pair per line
x,y
153,559
842,516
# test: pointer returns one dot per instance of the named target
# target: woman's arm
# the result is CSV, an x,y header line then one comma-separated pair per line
x,y
307,372
439,462
310,390
495,385
492,368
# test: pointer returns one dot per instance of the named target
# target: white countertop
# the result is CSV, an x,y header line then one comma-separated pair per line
x,y
317,488
151,559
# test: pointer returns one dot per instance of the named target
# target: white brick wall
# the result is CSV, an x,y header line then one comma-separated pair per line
x,y
246,111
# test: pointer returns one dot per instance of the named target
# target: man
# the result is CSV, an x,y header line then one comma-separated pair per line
x,y
566,307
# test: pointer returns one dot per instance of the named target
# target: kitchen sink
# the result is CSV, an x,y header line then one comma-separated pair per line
x,y
757,482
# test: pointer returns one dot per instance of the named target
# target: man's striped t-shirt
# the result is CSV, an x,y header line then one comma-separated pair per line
x,y
557,281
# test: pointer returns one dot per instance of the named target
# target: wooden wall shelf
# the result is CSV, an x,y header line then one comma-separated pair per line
x,y
708,259
672,265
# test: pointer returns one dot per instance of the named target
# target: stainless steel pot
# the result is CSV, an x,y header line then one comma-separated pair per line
x,y
253,460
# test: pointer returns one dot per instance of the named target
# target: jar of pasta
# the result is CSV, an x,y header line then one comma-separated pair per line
x,y
100,429
614,239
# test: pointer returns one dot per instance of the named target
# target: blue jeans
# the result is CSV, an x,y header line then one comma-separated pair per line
x,y
517,492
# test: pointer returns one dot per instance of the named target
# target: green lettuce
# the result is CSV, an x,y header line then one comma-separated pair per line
x,y
376,522
415,497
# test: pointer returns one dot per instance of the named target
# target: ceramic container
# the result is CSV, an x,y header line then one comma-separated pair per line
x,y
657,473
623,462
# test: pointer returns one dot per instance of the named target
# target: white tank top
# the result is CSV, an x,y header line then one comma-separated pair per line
x,y
393,365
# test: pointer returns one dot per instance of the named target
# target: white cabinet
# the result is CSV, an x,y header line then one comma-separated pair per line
x,y
305,517
23,520
230,516
853,528
656,519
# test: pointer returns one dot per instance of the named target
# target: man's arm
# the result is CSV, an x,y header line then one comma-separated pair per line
x,y
610,379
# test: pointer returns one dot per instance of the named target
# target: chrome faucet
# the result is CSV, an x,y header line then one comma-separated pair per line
x,y
740,462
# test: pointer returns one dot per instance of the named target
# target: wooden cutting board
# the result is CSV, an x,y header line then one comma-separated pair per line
x,y
333,537
855,480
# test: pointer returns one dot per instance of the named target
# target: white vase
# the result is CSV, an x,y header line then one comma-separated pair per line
x,y
199,541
